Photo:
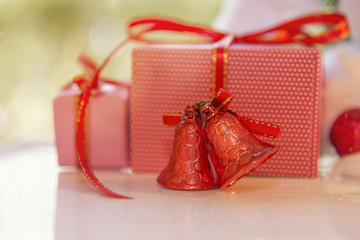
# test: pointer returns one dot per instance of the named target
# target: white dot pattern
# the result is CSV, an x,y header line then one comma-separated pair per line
x,y
280,85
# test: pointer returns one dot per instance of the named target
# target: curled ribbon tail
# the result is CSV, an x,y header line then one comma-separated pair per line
x,y
80,142
81,126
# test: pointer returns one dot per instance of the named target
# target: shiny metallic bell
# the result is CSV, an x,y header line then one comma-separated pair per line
x,y
234,152
188,167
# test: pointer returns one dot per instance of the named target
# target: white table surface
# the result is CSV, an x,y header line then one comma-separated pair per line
x,y
39,200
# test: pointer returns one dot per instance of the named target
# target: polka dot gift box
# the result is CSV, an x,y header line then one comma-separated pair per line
x,y
275,84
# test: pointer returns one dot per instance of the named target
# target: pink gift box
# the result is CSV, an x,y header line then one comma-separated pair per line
x,y
108,127
276,84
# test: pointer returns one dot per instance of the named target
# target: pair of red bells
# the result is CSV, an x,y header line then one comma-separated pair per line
x,y
212,149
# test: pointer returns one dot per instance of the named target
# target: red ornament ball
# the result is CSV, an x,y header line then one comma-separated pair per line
x,y
345,132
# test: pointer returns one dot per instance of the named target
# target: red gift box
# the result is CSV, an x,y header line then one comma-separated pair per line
x,y
280,85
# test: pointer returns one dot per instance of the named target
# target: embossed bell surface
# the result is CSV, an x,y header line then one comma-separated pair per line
x,y
188,167
233,151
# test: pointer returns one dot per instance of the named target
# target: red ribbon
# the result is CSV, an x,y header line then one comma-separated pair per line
x,y
290,32
221,102
87,82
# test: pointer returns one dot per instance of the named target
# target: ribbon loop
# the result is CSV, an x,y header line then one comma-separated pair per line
x,y
90,67
294,32
169,25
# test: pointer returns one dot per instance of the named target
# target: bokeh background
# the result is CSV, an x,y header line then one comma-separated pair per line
x,y
41,39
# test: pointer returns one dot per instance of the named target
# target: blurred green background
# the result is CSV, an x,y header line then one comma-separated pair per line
x,y
40,42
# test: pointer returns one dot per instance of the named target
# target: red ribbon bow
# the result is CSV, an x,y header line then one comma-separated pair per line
x,y
90,67
290,32
221,102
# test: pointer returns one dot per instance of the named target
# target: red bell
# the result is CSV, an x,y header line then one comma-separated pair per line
x,y
234,152
188,167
